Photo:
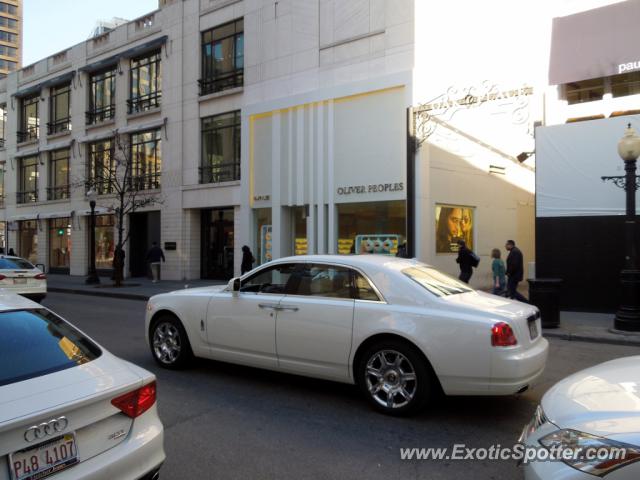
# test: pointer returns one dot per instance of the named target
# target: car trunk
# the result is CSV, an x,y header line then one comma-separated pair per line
x,y
517,314
20,278
81,394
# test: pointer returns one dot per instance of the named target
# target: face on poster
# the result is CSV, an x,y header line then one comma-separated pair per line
x,y
453,223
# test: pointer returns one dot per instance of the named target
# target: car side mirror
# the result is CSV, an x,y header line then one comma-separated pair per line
x,y
234,285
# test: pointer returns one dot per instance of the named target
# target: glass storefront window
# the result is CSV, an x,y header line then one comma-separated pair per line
x,y
375,227
105,241
28,240
262,223
59,243
299,230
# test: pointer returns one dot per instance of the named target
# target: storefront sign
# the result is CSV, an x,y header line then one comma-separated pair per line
x,y
453,223
629,67
372,188
170,246
475,97
261,198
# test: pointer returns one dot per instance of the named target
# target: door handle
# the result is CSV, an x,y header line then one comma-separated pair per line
x,y
291,308
268,306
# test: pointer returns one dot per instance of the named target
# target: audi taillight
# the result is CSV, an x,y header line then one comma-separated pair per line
x,y
134,404
502,335
40,276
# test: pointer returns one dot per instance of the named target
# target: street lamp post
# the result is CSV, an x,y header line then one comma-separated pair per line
x,y
628,314
92,277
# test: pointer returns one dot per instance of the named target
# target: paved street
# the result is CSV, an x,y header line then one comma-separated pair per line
x,y
231,422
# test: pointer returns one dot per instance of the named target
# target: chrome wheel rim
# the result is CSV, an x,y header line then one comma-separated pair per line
x,y
166,343
391,379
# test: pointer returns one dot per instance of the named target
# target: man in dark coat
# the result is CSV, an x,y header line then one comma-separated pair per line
x,y
154,255
466,261
515,271
247,260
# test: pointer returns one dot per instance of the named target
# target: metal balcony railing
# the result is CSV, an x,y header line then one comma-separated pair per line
x,y
221,82
60,126
144,102
223,172
30,196
147,181
58,193
98,115
31,133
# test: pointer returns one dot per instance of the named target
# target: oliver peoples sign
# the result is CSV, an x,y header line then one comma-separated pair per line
x,y
372,188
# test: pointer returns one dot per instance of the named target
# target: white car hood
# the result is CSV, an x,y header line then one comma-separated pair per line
x,y
199,290
492,305
603,400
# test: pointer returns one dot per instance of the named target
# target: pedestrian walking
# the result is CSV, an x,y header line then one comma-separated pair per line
x,y
498,270
12,253
247,260
154,255
515,271
402,251
467,260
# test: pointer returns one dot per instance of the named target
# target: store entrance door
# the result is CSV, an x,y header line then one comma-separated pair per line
x,y
144,229
217,244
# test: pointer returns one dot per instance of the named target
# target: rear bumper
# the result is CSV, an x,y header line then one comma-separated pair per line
x,y
139,457
515,369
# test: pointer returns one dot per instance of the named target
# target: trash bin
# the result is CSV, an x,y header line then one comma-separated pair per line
x,y
544,293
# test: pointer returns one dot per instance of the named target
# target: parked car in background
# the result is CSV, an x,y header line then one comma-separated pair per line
x,y
20,276
598,409
68,408
398,328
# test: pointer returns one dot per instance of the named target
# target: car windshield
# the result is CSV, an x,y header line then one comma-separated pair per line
x,y
436,282
37,342
15,264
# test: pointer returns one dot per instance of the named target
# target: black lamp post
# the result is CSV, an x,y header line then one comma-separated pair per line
x,y
92,277
628,314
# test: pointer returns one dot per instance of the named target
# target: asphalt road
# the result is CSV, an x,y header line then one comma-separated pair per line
x,y
228,422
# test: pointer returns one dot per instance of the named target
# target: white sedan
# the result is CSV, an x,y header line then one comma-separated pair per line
x,y
20,276
591,420
398,328
68,408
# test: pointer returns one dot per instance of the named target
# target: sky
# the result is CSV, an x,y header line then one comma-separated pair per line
x,y
54,25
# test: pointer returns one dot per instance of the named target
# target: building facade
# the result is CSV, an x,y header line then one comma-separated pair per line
x,y
312,126
10,36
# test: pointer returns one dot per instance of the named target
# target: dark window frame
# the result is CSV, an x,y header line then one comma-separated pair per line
x,y
140,178
59,124
212,80
57,191
149,101
24,195
29,132
224,171
97,169
103,112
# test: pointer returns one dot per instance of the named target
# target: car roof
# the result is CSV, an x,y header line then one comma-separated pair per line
x,y
363,261
13,301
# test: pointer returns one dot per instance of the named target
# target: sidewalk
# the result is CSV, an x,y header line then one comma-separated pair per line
x,y
590,327
133,289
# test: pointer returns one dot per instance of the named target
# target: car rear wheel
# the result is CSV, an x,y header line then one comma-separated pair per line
x,y
169,343
395,377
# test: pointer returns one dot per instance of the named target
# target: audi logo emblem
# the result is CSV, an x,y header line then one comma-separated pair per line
x,y
51,427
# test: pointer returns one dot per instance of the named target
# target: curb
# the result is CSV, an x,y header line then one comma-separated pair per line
x,y
572,337
125,296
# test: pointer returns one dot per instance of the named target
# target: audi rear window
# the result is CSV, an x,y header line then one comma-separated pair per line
x,y
15,264
37,342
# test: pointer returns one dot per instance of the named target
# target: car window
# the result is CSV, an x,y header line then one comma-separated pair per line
x,y
270,280
436,282
319,280
37,342
364,290
15,264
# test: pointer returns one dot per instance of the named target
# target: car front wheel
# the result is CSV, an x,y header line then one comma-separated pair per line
x,y
169,343
395,377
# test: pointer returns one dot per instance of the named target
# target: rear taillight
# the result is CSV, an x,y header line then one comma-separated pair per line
x,y
40,276
134,404
2,277
502,335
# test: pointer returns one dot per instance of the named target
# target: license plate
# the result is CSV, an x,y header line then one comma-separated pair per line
x,y
45,459
533,329
19,281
